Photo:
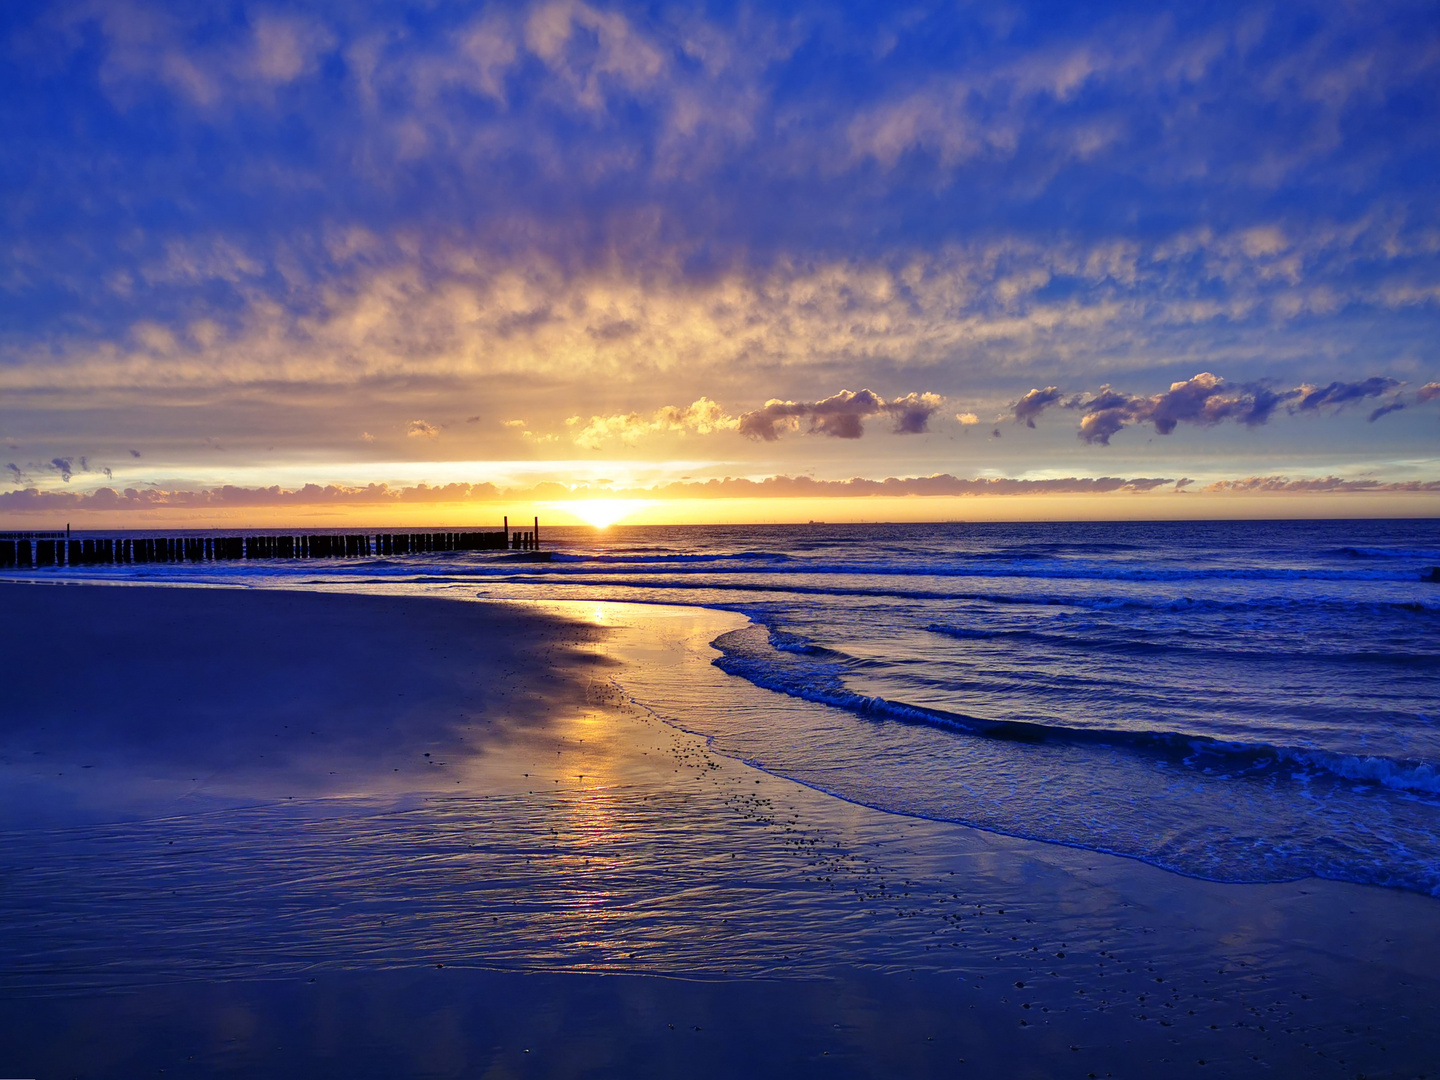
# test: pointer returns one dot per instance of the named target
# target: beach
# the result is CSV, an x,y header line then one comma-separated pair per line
x,y
295,832
577,538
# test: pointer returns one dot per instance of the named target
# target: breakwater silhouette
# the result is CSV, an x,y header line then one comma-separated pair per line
x,y
60,549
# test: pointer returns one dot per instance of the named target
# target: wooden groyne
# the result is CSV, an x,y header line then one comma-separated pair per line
x,y
58,549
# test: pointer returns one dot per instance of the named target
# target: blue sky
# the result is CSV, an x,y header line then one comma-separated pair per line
x,y
353,243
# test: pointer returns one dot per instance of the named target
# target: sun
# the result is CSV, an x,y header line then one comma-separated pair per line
x,y
602,513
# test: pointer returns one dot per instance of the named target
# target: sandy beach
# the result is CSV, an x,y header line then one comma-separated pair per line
x,y
295,834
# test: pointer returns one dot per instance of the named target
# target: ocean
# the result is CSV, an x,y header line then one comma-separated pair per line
x,y
1236,701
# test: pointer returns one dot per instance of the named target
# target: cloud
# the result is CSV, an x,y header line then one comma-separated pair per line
x,y
520,426
1034,403
283,49
912,412
1280,485
66,467
229,496
1254,99
967,419
940,484
419,429
1385,410
448,310
1342,393
106,499
592,52
841,415
701,417
650,203
1205,400
379,495
1428,392
147,45
134,453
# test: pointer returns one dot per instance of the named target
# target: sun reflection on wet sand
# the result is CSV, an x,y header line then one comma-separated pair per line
x,y
607,840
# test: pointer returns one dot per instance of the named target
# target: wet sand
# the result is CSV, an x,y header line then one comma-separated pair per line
x,y
298,834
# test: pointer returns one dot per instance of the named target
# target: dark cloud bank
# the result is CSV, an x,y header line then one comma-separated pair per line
x,y
381,496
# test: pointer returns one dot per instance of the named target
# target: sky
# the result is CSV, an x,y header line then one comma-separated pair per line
x,y
412,262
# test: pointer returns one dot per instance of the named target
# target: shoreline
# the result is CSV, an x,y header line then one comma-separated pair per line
x,y
640,853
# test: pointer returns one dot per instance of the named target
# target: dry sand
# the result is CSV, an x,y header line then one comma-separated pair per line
x,y
286,833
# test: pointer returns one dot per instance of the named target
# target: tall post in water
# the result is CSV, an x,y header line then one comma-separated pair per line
x,y
506,520
535,536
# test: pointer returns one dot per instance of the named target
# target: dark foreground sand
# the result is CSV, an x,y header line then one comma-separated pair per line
x,y
290,834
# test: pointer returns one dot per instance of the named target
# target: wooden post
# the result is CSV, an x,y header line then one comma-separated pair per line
x,y
535,536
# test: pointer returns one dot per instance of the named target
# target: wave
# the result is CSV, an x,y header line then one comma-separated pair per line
x,y
539,574
1043,551
670,558
779,563
788,570
785,641
962,633
1387,553
749,654
460,570
1165,644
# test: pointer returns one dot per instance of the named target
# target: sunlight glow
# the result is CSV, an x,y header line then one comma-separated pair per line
x,y
602,513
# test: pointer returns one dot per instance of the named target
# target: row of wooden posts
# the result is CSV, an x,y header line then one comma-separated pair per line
x,y
51,549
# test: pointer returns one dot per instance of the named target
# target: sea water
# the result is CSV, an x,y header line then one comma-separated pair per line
x,y
1240,701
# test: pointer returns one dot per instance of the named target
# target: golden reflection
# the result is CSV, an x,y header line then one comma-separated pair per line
x,y
597,845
